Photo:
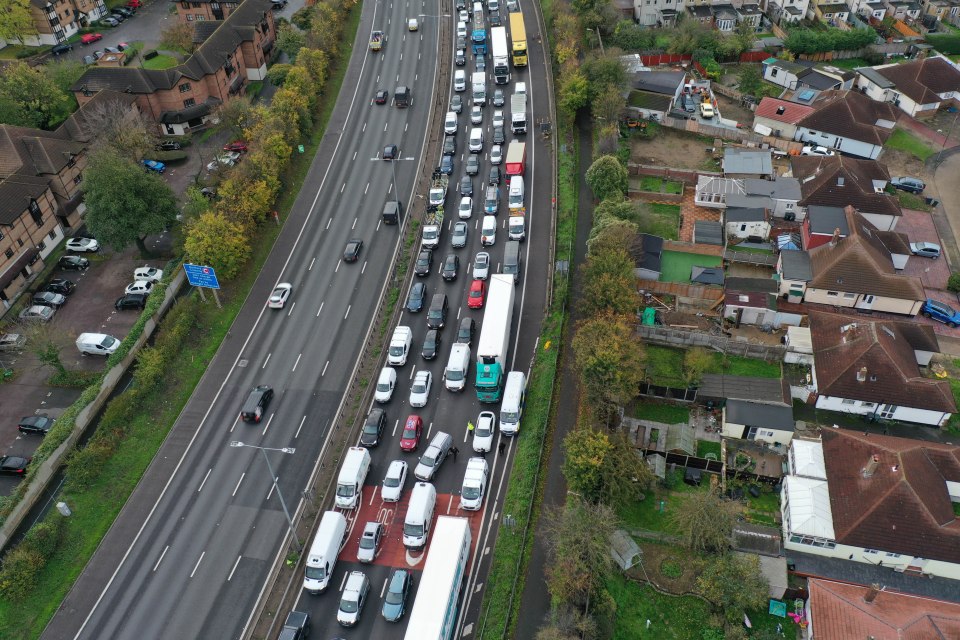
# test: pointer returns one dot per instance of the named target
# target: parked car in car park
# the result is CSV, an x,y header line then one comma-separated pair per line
x,y
134,301
39,424
60,49
168,145
148,273
74,263
82,245
154,165
14,465
59,285
49,299
37,313
90,38
97,344
110,21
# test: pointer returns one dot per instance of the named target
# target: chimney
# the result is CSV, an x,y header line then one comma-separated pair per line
x,y
871,467
836,237
871,594
862,374
780,110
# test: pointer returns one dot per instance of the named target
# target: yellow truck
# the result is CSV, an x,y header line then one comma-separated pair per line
x,y
377,40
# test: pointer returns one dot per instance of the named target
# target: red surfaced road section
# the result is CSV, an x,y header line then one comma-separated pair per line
x,y
391,514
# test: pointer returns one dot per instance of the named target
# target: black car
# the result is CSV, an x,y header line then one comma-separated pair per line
x,y
460,58
74,263
499,137
131,301
472,166
49,299
168,145
61,48
35,424
125,11
382,96
424,263
446,165
465,331
391,152
431,344
466,186
450,145
494,175
417,294
119,17
14,465
494,18
61,286
297,625
373,428
276,5
451,265
256,404
352,251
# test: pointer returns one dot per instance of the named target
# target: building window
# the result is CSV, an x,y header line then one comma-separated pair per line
x,y
42,245
846,401
892,555
833,294
773,72
867,404
189,17
184,87
20,241
849,296
871,551
35,212
53,234
8,253
201,17
189,102
2,236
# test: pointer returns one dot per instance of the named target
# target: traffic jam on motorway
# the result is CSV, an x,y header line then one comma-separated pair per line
x,y
406,517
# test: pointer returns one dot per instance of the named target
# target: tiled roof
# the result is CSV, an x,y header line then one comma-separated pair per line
x,y
795,265
745,214
903,506
921,80
843,346
34,152
860,263
78,127
791,113
852,115
15,194
838,181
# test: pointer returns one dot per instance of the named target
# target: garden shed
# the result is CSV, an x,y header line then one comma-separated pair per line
x,y
626,553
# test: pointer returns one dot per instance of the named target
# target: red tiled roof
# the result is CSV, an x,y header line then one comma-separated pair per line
x,y
922,80
792,112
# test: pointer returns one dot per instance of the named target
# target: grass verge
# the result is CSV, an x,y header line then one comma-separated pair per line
x,y
666,413
160,61
676,265
912,201
905,141
708,446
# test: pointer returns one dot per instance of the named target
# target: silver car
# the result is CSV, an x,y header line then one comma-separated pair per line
x,y
481,266
459,237
476,114
370,542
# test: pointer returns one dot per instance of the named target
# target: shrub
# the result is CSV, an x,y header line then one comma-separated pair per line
x,y
19,572
44,537
84,465
947,43
953,283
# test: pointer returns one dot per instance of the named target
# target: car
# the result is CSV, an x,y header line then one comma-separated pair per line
x,y
449,145
395,600
498,98
208,192
420,389
481,266
481,64
816,150
59,285
466,186
433,457
477,294
688,104
49,299
14,465
98,54
386,383
135,4
476,114
296,626
111,49
124,11
495,175
907,183
280,295
139,286
381,97
119,17
73,263
352,599
372,429
278,5
494,18
167,145
369,542
410,436
706,109
925,249
472,166
431,344
134,301
465,331
484,431
499,137
154,165
465,208
238,146
40,424
256,403
12,341
460,57
37,313
462,15
424,263
148,273
413,24
451,265
446,165
122,46
496,154
456,104
90,38
940,312
393,481
391,152
88,59
226,159
460,233
497,118
461,30
418,293
60,49
83,245
352,251
110,21
461,4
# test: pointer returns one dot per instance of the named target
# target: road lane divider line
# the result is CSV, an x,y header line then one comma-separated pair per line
x,y
235,564
200,488
237,488
297,434
160,559
197,566
297,362
267,360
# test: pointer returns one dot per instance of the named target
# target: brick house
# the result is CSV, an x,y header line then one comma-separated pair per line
x,y
29,231
234,52
203,10
57,20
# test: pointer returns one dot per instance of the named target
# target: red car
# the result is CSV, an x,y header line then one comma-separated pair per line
x,y
410,438
236,145
478,292
134,4
90,38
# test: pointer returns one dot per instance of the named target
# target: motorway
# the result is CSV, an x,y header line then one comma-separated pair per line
x,y
191,551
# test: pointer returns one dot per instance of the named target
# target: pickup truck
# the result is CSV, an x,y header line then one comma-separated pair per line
x,y
296,627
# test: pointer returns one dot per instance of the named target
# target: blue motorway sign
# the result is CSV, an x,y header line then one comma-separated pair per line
x,y
201,276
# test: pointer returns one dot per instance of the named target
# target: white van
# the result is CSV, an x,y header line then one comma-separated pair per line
x,y
511,409
460,80
477,7
515,199
399,346
458,366
385,384
488,231
356,464
493,5
97,344
517,228
322,557
462,30
450,123
416,525
476,140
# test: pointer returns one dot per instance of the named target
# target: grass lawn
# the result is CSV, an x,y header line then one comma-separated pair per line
x,y
161,61
650,183
912,201
650,514
665,366
675,266
849,63
674,187
666,413
671,617
10,51
708,446
906,141
664,221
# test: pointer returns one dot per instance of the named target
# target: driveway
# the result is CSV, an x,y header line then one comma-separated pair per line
x,y
919,227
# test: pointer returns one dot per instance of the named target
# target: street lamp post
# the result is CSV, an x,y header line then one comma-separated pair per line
x,y
275,480
599,39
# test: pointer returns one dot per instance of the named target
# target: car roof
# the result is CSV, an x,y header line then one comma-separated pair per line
x,y
396,465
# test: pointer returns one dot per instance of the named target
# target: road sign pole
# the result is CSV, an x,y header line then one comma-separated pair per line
x,y
202,296
217,299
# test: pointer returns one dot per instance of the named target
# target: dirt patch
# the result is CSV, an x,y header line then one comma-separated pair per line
x,y
670,148
671,568
731,109
901,163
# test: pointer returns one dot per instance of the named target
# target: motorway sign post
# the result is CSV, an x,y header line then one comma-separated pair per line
x,y
203,277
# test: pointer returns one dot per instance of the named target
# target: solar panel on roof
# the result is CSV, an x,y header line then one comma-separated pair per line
x,y
806,95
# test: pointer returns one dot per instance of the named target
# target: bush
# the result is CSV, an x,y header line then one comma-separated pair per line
x,y
19,572
953,283
44,537
169,156
84,465
947,43
278,73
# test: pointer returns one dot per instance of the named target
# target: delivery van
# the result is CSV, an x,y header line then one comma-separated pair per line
x,y
322,557
416,524
356,464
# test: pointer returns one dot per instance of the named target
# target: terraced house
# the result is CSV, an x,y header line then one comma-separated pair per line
x,y
56,20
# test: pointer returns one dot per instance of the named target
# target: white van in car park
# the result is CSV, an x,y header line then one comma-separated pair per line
x,y
511,409
515,199
322,557
416,524
97,344
458,365
356,464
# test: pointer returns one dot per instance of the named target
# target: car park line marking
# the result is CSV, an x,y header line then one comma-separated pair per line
x,y
383,589
160,559
197,566
320,309
200,488
310,268
395,425
290,313
297,434
234,568
297,362
450,505
267,426
324,372
237,488
354,225
364,268
348,311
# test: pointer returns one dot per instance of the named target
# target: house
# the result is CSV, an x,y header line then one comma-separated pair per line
x,y
919,87
785,12
779,117
770,423
876,500
779,196
233,53
743,223
749,13
647,255
872,368
903,9
848,121
739,162
831,12
795,272
839,181
655,92
724,17
868,9
204,10
657,13
842,609
784,72
706,275
822,225
712,191
56,21
825,78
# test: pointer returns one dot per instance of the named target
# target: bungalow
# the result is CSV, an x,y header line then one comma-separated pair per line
x,y
919,87
765,422
780,196
784,72
744,223
825,79
822,225
779,118
848,121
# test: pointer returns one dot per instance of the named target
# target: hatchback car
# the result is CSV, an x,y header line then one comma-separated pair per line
x,y
60,49
154,165
465,331
460,57
451,265
372,429
395,600
415,299
119,17
481,64
497,118
477,294
465,208
458,239
816,150
110,21
59,285
446,165
456,104
280,295
391,152
90,38
706,110
481,266
139,286
498,98
73,263
499,137
450,145
431,344
424,263
37,313
410,436
472,165
925,249
352,251
420,389
466,186
238,146
381,97
483,432
126,12
257,403
495,175
393,482
35,424
496,154
494,18
353,598
134,301
906,183
167,145
433,457
49,299
370,542
14,465
476,114
150,274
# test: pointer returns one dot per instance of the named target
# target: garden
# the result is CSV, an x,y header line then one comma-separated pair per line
x,y
671,367
675,266
660,185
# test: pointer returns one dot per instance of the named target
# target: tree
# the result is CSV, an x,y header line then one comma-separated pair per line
x,y
604,72
236,114
608,283
573,93
43,342
178,37
607,106
30,98
566,623
290,40
196,204
750,80
607,178
751,591
610,360
245,202
695,362
705,521
604,468
953,282
120,128
16,21
64,74
611,234
578,545
214,240
125,203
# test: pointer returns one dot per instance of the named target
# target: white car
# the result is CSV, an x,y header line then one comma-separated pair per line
x,y
139,286
465,210
462,29
476,114
498,118
227,159
280,295
481,266
488,232
484,431
394,480
816,150
386,383
82,245
463,17
148,273
496,155
413,24
420,389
